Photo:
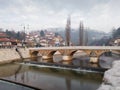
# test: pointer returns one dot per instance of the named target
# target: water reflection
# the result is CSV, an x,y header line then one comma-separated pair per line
x,y
68,83
104,61
67,62
81,61
52,79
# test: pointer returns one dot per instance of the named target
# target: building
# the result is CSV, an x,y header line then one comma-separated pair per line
x,y
6,41
117,41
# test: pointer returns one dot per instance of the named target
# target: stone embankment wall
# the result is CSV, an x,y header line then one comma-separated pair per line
x,y
24,52
111,79
10,55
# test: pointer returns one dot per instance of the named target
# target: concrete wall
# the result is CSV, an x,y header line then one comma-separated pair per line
x,y
9,55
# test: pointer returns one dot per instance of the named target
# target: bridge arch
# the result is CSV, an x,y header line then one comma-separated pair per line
x,y
86,51
73,52
106,53
48,54
34,53
52,53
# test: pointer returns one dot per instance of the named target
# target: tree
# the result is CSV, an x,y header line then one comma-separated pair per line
x,y
56,34
113,32
16,35
116,33
42,34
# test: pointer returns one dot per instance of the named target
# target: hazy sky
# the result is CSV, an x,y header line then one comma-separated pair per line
x,y
101,15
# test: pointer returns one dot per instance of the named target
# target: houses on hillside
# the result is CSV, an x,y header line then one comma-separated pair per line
x,y
6,41
115,41
33,39
49,39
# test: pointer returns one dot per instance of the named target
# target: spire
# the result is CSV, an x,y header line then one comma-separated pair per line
x,y
81,34
86,36
68,21
68,31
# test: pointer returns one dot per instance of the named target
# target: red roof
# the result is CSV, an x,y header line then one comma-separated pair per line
x,y
8,40
4,40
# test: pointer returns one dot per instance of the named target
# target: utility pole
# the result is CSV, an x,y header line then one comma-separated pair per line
x,y
68,31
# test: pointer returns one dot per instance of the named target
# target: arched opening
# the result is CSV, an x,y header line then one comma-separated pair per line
x,y
79,54
34,54
57,57
51,53
73,52
106,53
106,59
48,57
80,58
85,52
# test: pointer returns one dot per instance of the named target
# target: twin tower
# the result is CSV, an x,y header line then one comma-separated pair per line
x,y
82,38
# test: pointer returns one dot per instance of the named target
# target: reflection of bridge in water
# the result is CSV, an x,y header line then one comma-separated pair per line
x,y
86,76
94,52
11,69
51,78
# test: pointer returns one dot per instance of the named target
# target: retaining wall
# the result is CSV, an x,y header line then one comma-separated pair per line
x,y
10,55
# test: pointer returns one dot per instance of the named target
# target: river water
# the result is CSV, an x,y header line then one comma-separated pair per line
x,y
52,77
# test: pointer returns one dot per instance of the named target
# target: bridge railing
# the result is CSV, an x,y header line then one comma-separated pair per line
x,y
81,47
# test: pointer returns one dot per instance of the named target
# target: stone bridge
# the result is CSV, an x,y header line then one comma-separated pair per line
x,y
94,52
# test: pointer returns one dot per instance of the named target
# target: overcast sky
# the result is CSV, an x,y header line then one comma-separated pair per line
x,y
100,15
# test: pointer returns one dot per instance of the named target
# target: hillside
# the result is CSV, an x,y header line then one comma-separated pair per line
x,y
92,34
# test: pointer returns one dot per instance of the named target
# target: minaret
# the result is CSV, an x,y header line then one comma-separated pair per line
x,y
68,31
85,37
81,34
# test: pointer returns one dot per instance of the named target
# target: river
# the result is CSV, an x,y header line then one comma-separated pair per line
x,y
51,77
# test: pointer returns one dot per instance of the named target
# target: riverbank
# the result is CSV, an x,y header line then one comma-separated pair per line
x,y
10,55
111,79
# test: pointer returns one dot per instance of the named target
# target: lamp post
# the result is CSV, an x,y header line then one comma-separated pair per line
x,y
24,33
24,30
23,40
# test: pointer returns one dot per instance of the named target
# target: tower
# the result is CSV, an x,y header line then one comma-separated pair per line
x,y
85,37
81,34
67,33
